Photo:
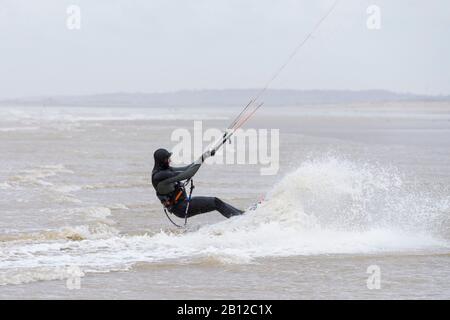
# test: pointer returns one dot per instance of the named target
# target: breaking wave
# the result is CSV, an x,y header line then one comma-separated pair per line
x,y
326,206
38,176
76,233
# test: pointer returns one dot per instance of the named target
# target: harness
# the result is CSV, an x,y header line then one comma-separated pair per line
x,y
176,201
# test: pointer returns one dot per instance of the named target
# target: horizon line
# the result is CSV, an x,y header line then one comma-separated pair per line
x,y
67,95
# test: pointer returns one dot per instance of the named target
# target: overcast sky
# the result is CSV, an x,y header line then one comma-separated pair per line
x,y
168,45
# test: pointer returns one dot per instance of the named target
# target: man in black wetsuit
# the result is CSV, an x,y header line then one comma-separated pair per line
x,y
167,182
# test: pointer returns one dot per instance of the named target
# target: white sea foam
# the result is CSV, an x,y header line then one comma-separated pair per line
x,y
328,206
5,186
118,206
36,274
74,233
67,188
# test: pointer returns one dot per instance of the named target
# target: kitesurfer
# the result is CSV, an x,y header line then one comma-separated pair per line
x,y
169,186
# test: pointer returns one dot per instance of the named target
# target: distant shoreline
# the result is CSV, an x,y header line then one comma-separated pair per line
x,y
223,98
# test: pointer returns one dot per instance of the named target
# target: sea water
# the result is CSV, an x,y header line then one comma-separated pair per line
x,y
358,186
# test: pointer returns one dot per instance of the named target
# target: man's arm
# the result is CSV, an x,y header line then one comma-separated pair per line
x,y
181,169
183,173
189,171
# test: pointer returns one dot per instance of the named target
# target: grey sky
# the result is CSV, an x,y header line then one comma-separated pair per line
x,y
167,45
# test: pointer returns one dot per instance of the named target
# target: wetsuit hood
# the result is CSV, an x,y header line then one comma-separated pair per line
x,y
161,156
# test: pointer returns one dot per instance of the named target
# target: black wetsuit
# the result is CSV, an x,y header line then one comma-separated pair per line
x,y
167,182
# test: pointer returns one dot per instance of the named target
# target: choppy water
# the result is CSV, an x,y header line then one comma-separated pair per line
x,y
358,186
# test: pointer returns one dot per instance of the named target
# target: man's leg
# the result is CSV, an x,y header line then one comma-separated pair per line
x,y
226,209
200,205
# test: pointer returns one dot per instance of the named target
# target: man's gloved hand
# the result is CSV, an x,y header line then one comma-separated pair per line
x,y
207,154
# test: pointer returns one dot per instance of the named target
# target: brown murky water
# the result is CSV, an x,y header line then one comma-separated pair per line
x,y
357,186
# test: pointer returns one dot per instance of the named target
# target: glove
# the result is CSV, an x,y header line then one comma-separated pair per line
x,y
207,154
